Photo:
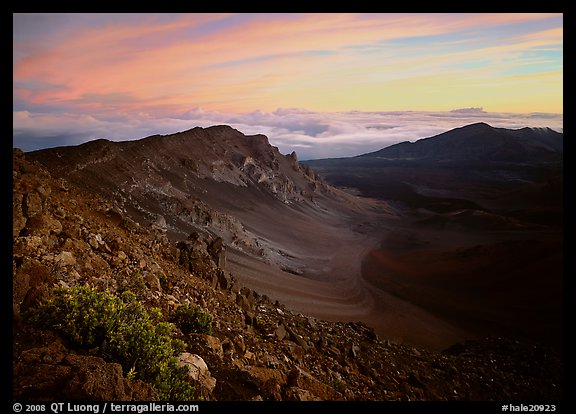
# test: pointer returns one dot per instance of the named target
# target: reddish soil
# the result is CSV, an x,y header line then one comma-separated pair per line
x,y
510,287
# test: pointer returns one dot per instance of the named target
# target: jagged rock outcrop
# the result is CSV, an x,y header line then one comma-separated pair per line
x,y
192,181
170,170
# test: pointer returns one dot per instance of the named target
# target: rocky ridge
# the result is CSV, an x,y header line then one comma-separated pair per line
x,y
259,350
191,181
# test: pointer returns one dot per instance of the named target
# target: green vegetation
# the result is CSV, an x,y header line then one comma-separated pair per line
x,y
119,329
128,224
132,282
191,319
184,259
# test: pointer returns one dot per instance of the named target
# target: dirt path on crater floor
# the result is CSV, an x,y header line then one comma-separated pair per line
x,y
332,286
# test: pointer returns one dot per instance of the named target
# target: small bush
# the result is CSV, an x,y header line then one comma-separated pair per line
x,y
184,258
119,329
192,319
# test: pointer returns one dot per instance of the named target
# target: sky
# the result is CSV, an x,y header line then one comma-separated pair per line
x,y
323,85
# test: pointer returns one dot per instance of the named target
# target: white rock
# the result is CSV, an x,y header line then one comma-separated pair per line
x,y
198,370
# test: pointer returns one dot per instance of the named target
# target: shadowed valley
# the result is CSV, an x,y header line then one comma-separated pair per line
x,y
480,239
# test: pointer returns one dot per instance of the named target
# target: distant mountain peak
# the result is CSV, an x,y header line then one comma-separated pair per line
x,y
478,125
479,141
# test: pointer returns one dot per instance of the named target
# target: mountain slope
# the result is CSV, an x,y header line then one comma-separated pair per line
x,y
479,142
65,237
475,164
215,178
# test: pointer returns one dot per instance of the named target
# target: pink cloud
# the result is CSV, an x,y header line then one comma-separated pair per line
x,y
125,77
248,64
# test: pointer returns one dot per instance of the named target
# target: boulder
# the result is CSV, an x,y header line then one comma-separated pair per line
x,y
208,345
217,251
198,373
32,204
29,276
18,218
268,381
51,372
152,281
280,332
298,394
65,259
304,380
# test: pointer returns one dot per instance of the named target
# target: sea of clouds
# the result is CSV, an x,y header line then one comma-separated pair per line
x,y
311,134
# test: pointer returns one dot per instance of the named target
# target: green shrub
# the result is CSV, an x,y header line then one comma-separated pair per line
x,y
184,258
119,329
192,319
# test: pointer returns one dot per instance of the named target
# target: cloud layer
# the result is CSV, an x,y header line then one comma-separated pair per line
x,y
311,134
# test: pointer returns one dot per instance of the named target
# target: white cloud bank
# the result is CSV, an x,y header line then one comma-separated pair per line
x,y
311,134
